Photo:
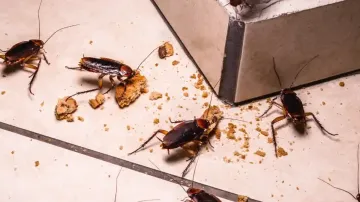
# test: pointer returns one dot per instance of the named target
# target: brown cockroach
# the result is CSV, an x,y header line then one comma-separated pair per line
x,y
105,66
185,132
357,197
196,195
25,52
291,106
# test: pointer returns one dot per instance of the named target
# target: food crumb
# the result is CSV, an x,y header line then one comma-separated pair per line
x,y
186,94
193,76
242,198
281,152
236,153
184,88
175,62
12,152
205,94
121,147
37,163
155,95
217,133
156,64
231,131
342,84
128,127
323,103
42,104
297,188
260,153
151,150
264,133
160,107
80,118
227,160
156,121
140,139
90,42
166,50
106,129
65,108
3,92
270,140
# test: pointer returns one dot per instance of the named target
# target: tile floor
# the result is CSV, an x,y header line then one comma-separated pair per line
x,y
128,30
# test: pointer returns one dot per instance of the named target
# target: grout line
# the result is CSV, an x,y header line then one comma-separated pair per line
x,y
120,162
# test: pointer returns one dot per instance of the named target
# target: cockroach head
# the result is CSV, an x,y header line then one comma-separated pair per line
x,y
192,191
299,120
358,197
203,123
236,2
126,72
38,42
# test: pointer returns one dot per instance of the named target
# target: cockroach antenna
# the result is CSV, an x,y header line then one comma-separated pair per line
x,y
302,69
116,183
146,58
39,17
357,197
58,31
177,182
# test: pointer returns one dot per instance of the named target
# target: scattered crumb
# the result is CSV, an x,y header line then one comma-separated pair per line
x,y
99,100
227,160
236,153
151,150
3,92
231,131
184,88
329,179
156,64
242,198
90,42
80,118
12,152
218,133
134,87
270,140
260,153
166,50
205,94
193,76
175,62
121,147
342,84
42,104
37,163
160,107
128,127
156,121
264,133
186,94
155,95
140,139
65,109
323,103
281,152
297,188
106,129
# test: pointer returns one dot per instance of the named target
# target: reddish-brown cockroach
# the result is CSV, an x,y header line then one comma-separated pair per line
x,y
196,195
357,197
292,107
185,132
27,51
106,66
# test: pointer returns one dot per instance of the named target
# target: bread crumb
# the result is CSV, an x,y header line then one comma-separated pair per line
x,y
155,95
323,103
12,152
42,104
175,62
80,118
242,198
264,133
3,92
99,100
106,129
151,150
297,188
260,153
186,94
156,64
90,42
227,160
134,88
281,152
160,107
205,94
217,133
65,108
193,76
121,147
140,139
156,121
270,140
236,153
128,127
342,84
166,50
184,88
37,163
231,131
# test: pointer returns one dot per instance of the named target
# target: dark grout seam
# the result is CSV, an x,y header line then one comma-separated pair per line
x,y
120,162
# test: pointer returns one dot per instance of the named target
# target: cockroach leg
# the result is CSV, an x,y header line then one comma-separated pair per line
x,y
318,122
280,118
178,121
74,68
271,105
192,159
100,83
34,75
112,84
46,60
147,141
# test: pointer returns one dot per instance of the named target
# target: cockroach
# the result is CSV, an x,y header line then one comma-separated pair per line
x,y
291,106
25,52
196,195
357,197
185,132
106,66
